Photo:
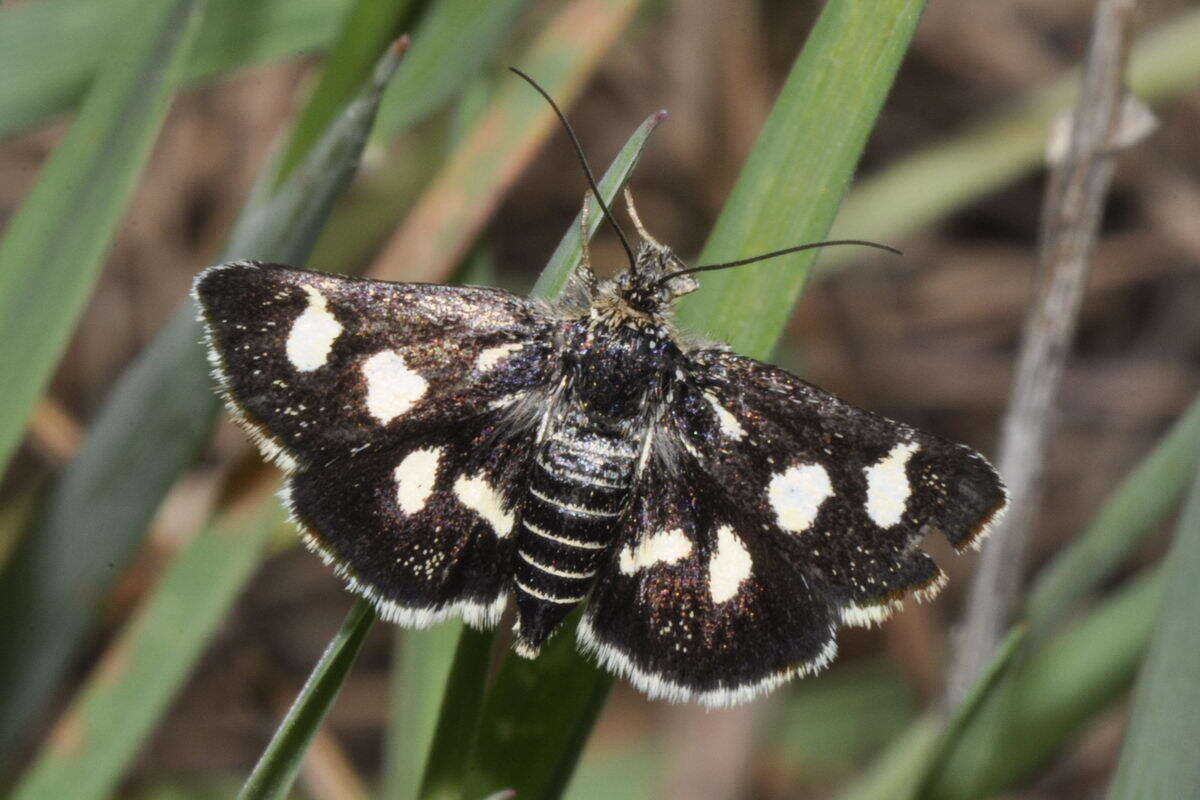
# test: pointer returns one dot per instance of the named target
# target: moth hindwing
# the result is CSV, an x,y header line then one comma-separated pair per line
x,y
450,448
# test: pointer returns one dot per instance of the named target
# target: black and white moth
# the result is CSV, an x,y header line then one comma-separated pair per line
x,y
449,447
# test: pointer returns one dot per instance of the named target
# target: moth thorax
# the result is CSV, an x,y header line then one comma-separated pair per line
x,y
614,372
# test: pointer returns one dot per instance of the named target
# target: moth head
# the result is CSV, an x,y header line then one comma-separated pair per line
x,y
649,287
651,283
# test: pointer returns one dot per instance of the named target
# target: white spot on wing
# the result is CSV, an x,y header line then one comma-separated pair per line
x,y
729,565
415,476
725,418
392,388
796,495
663,547
477,494
494,355
888,489
313,333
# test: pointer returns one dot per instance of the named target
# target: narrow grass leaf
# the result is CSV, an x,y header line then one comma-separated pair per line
x,y
1132,512
966,710
148,432
106,725
438,231
989,154
1030,714
788,188
901,764
50,254
50,52
458,717
1159,757
421,661
450,45
532,747
368,28
915,755
276,770
1036,710
53,246
863,705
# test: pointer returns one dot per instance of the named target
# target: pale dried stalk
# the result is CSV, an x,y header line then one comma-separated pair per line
x,y
1071,219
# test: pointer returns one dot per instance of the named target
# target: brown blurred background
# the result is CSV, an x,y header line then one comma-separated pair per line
x,y
928,339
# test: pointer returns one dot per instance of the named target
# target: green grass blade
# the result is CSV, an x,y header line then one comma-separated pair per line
x,y
421,660
901,765
1036,711
368,29
452,42
1040,709
1136,509
1160,757
456,729
50,254
915,755
50,51
53,247
966,710
107,723
457,719
148,432
528,746
1031,712
788,191
790,188
276,770
928,185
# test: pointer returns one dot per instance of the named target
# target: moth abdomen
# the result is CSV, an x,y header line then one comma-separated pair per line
x,y
577,488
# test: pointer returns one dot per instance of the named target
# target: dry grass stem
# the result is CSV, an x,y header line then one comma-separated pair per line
x,y
1070,223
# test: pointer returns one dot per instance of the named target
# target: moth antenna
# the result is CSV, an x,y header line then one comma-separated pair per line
x,y
587,170
783,252
637,221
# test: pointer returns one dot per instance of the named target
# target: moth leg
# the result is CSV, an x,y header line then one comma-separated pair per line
x,y
583,280
585,263
637,221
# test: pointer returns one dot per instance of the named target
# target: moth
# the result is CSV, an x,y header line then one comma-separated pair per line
x,y
449,448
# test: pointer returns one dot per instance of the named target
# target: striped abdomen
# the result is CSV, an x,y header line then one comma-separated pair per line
x,y
577,488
